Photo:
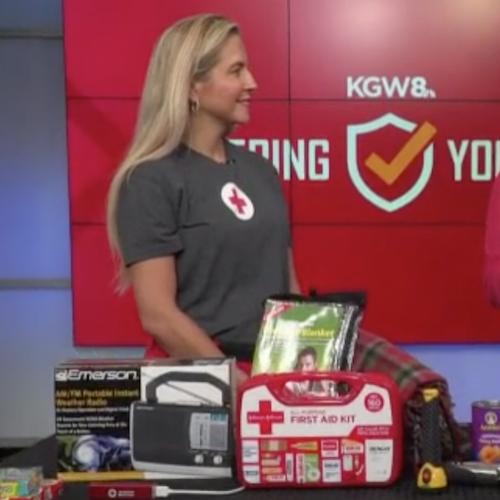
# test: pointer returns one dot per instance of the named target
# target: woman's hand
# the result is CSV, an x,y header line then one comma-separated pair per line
x,y
241,377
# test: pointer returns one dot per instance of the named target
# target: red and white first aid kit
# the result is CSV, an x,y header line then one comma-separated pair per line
x,y
292,433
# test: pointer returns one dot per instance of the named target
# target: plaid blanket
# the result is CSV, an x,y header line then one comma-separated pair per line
x,y
375,354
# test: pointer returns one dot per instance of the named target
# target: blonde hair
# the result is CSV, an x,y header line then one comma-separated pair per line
x,y
186,52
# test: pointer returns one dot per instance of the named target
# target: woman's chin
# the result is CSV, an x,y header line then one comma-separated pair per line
x,y
242,115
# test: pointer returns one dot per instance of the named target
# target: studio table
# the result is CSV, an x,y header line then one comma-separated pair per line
x,y
44,453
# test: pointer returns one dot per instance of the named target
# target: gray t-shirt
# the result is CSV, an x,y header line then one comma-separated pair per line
x,y
228,226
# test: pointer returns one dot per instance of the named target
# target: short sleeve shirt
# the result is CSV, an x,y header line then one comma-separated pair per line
x,y
226,224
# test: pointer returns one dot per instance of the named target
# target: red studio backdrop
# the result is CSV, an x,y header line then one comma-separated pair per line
x,y
383,119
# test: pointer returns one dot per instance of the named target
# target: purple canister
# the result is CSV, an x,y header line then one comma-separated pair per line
x,y
486,431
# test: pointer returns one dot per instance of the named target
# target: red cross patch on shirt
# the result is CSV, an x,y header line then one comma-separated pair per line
x,y
237,201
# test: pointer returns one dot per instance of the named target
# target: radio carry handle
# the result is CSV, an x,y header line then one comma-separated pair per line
x,y
175,376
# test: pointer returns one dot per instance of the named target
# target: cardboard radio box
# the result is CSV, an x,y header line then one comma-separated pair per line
x,y
142,419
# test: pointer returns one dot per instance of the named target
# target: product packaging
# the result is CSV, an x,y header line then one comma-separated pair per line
x,y
140,419
288,440
308,333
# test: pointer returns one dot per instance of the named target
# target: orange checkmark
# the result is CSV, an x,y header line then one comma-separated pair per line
x,y
390,172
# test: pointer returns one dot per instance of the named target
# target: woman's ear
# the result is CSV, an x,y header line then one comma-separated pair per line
x,y
195,91
193,95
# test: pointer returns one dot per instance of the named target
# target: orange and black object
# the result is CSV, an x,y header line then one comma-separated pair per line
x,y
432,476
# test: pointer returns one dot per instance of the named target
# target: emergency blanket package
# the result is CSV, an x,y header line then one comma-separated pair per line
x,y
308,333
140,419
310,440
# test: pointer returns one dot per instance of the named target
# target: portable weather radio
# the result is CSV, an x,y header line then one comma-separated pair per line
x,y
319,430
176,438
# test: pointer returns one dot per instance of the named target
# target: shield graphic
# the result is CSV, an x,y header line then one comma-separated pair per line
x,y
354,131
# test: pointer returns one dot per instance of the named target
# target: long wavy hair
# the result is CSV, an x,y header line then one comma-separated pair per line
x,y
185,53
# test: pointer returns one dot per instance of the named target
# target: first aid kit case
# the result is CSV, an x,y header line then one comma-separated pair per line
x,y
349,433
141,419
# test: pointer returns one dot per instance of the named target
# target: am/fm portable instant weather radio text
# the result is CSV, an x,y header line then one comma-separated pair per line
x,y
319,429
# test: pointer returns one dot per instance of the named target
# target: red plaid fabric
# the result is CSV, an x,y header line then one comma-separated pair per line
x,y
375,354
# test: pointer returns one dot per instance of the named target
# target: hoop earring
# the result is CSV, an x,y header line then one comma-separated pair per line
x,y
195,106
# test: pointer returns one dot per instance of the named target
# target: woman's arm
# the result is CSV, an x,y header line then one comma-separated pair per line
x,y
294,282
154,282
491,272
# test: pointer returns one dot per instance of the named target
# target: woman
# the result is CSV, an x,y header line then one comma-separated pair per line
x,y
200,226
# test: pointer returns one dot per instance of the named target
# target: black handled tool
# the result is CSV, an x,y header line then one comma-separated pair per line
x,y
473,474
432,476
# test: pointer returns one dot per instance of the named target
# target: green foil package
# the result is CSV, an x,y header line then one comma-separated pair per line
x,y
308,333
